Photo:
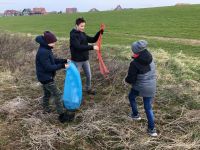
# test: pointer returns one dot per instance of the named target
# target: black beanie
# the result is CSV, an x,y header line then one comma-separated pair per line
x,y
49,37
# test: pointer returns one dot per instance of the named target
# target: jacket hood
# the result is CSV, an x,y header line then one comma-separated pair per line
x,y
74,31
40,39
144,58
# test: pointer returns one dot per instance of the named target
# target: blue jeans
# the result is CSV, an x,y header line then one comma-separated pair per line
x,y
147,106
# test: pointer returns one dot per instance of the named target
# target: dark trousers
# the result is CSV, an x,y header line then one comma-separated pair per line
x,y
51,90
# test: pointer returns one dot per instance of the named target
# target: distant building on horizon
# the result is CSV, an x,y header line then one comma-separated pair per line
x,y
118,7
71,10
11,13
93,10
26,12
39,11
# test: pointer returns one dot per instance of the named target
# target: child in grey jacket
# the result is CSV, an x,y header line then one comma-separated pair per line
x,y
142,77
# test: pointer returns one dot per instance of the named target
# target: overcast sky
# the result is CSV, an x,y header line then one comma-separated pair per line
x,y
85,5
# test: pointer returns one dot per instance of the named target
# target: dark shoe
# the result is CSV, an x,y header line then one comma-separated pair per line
x,y
70,116
91,92
66,117
62,118
135,117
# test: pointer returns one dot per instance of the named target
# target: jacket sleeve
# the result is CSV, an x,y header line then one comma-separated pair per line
x,y
93,39
45,61
75,42
60,61
132,74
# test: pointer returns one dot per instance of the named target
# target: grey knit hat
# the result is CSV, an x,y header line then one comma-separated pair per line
x,y
139,46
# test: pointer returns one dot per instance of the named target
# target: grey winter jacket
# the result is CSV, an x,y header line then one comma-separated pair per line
x,y
142,75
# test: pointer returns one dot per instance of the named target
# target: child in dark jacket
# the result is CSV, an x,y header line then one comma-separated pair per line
x,y
142,77
80,50
46,67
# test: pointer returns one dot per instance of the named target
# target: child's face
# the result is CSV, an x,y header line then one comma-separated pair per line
x,y
52,44
81,27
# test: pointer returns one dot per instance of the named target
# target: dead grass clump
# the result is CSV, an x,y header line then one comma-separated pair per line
x,y
13,107
104,123
16,51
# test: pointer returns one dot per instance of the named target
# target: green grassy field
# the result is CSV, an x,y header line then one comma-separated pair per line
x,y
181,22
124,27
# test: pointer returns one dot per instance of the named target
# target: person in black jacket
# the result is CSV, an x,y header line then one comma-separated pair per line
x,y
46,67
80,50
142,77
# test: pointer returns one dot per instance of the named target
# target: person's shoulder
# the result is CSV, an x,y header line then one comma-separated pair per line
x,y
74,34
84,33
43,51
135,65
133,62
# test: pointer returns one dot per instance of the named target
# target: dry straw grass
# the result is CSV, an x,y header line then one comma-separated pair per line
x,y
102,122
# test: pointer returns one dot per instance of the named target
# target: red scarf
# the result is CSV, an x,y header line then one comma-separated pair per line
x,y
136,55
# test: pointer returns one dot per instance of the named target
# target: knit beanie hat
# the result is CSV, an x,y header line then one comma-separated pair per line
x,y
139,46
49,37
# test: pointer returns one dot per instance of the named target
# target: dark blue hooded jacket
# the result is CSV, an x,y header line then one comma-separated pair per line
x,y
46,64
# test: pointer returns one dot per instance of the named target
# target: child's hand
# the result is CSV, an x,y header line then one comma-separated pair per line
x,y
101,31
66,66
96,47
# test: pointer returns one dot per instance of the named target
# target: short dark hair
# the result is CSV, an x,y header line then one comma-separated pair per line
x,y
80,20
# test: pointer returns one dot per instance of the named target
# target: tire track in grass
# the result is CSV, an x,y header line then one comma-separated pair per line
x,y
192,42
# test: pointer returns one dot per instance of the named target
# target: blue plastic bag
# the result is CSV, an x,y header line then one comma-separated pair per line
x,y
72,95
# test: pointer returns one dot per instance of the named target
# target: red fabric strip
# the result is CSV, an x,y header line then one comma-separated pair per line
x,y
103,69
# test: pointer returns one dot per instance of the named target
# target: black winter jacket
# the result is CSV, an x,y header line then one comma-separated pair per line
x,y
79,45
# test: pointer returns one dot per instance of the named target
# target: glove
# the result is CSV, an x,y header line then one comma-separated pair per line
x,y
63,65
65,61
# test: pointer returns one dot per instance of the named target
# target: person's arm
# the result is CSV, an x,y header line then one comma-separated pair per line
x,y
95,38
60,61
45,61
132,74
75,42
